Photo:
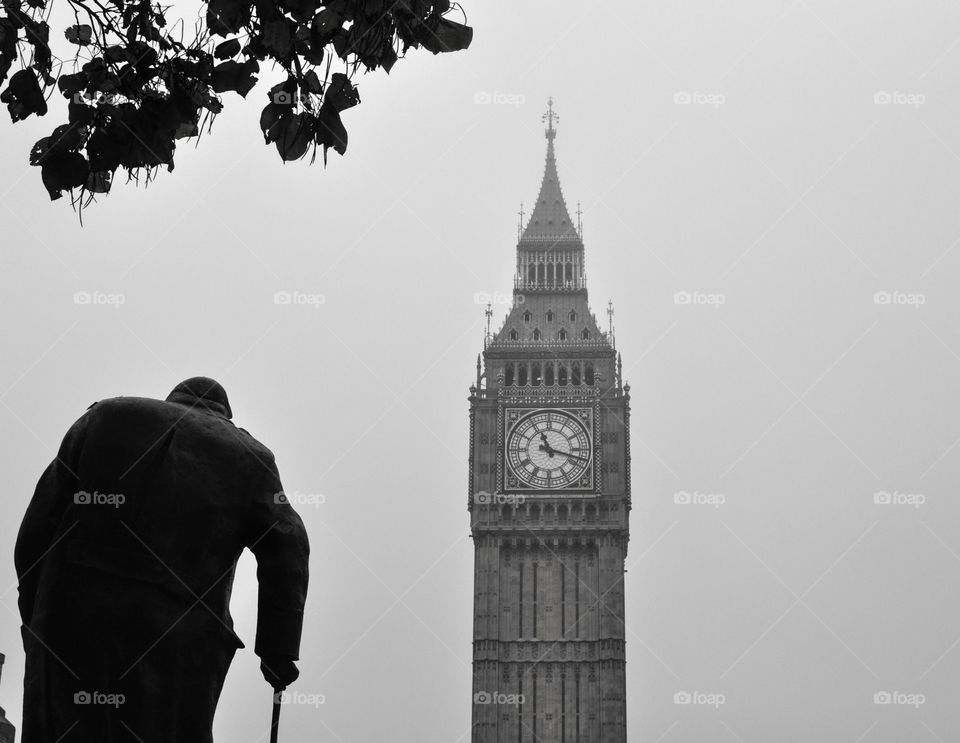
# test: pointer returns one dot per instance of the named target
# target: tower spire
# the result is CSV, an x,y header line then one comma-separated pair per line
x,y
550,218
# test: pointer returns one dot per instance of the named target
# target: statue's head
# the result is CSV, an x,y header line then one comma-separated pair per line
x,y
203,392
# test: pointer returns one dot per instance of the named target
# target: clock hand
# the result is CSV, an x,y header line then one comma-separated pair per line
x,y
545,446
571,454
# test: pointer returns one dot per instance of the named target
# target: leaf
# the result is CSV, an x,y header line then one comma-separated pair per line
x,y
116,54
8,46
65,138
80,113
80,34
271,120
71,85
64,172
341,94
188,129
277,38
312,83
325,26
284,93
236,76
296,136
314,53
301,10
330,131
388,55
227,16
38,34
99,181
442,35
23,96
141,55
227,49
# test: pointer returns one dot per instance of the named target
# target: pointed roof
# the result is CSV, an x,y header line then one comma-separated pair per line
x,y
550,219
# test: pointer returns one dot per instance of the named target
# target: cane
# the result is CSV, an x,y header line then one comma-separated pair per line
x,y
275,719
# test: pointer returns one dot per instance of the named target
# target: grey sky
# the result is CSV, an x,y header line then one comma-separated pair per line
x,y
784,189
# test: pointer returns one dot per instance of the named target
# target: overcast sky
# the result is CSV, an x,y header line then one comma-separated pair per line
x,y
781,163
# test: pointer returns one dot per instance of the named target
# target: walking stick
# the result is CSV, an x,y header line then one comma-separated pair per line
x,y
275,719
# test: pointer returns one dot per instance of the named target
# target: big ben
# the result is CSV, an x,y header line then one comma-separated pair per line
x,y
549,499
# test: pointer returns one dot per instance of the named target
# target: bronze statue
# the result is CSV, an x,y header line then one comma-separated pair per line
x,y
126,557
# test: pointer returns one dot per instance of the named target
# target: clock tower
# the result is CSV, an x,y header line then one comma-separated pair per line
x,y
549,499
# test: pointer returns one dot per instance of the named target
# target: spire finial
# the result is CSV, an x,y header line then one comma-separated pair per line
x,y
487,337
520,226
610,334
550,118
579,223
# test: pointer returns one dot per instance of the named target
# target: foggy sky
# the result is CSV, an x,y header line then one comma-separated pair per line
x,y
815,165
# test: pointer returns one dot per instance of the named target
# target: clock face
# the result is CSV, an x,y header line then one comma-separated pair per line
x,y
549,449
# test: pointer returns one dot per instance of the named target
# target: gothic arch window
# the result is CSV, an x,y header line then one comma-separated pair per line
x,y
526,316
568,272
509,375
562,375
522,375
539,273
532,274
550,274
588,373
585,334
535,376
549,315
537,335
562,514
562,335
514,335
548,375
575,374
573,315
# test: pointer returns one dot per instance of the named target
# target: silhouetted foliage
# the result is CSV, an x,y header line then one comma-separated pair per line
x,y
135,87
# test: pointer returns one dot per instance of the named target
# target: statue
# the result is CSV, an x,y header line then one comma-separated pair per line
x,y
7,731
126,558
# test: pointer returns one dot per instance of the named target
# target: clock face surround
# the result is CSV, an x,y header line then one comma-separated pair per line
x,y
549,449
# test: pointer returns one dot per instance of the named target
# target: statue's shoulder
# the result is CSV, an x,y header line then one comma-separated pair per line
x,y
255,446
114,404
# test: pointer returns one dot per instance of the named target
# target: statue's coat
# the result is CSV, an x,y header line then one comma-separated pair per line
x,y
132,598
